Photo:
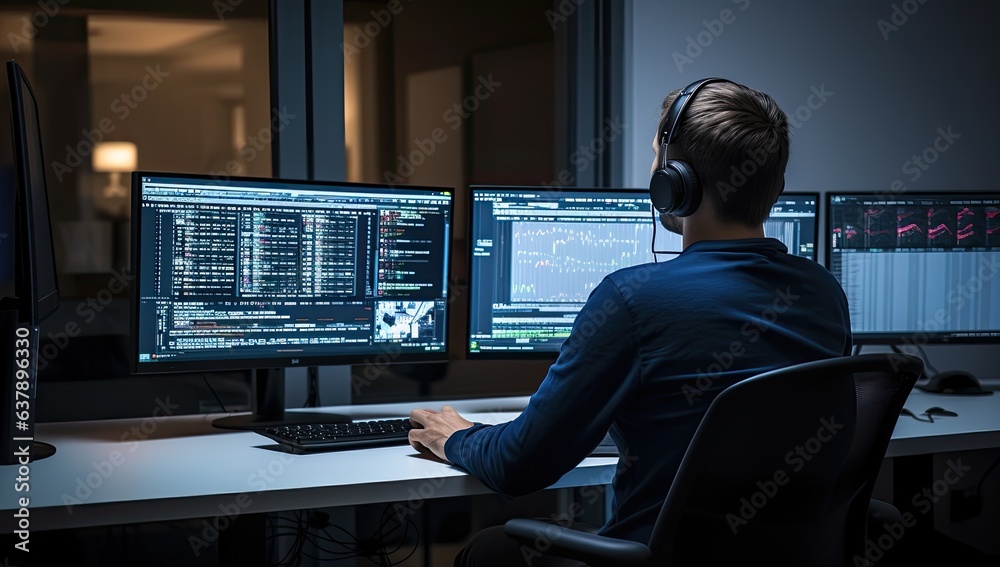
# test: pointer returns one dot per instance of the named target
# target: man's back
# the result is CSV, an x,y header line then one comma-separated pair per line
x,y
655,344
652,347
720,312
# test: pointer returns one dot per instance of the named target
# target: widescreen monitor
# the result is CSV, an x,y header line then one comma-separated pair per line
x,y
267,274
36,283
793,221
918,267
28,253
538,252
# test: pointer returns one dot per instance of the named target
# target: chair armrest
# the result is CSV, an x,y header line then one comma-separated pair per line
x,y
880,512
593,549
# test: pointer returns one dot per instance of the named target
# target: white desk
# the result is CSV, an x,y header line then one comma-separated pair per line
x,y
188,469
976,427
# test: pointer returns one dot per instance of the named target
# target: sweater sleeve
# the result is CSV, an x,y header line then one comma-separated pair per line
x,y
596,374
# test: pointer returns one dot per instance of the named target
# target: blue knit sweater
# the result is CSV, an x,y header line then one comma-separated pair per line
x,y
648,353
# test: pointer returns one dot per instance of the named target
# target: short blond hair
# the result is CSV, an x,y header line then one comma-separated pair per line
x,y
736,139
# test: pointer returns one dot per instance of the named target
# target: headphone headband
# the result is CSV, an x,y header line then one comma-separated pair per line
x,y
674,188
680,104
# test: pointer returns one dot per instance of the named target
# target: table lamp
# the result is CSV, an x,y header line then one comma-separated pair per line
x,y
115,158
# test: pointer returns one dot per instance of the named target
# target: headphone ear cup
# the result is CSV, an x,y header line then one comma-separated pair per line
x,y
663,187
688,193
675,190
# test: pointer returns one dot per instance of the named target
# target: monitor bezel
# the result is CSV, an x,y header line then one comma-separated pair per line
x,y
552,355
896,338
34,307
818,197
817,215
470,210
137,367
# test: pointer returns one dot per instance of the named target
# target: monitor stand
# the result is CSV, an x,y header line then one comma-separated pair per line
x,y
423,373
41,450
19,383
269,406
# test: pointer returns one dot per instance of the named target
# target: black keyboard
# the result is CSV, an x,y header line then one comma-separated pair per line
x,y
327,437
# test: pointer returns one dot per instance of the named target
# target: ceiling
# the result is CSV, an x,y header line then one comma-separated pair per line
x,y
123,35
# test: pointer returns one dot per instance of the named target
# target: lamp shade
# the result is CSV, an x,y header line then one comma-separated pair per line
x,y
115,156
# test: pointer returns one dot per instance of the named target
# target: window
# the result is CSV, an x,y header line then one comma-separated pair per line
x,y
159,85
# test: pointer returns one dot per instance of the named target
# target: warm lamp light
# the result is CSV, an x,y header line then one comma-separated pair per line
x,y
115,158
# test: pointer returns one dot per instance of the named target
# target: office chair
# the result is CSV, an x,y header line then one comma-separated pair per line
x,y
779,472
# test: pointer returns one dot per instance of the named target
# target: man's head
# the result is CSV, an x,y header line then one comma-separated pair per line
x,y
736,140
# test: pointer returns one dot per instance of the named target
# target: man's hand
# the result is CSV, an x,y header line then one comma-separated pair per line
x,y
437,428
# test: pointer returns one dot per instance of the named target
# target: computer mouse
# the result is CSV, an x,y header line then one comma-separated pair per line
x,y
957,382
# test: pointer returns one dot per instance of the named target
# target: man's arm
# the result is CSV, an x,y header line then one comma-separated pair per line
x,y
597,373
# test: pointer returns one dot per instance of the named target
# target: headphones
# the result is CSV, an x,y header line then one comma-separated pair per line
x,y
674,188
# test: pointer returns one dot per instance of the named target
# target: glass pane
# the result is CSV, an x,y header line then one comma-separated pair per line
x,y
450,93
161,86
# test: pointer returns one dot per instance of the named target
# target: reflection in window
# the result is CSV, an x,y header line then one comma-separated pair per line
x,y
152,86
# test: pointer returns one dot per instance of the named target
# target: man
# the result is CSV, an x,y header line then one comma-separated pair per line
x,y
656,343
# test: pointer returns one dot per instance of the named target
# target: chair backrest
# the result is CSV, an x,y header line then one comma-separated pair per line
x,y
781,468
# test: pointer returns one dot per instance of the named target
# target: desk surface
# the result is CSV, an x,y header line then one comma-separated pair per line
x,y
156,469
977,425
129,471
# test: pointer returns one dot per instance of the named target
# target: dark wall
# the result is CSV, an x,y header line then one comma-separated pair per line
x,y
890,93
888,88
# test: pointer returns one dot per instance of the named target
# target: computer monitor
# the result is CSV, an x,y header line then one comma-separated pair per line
x,y
36,285
536,254
268,274
35,289
793,221
918,267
